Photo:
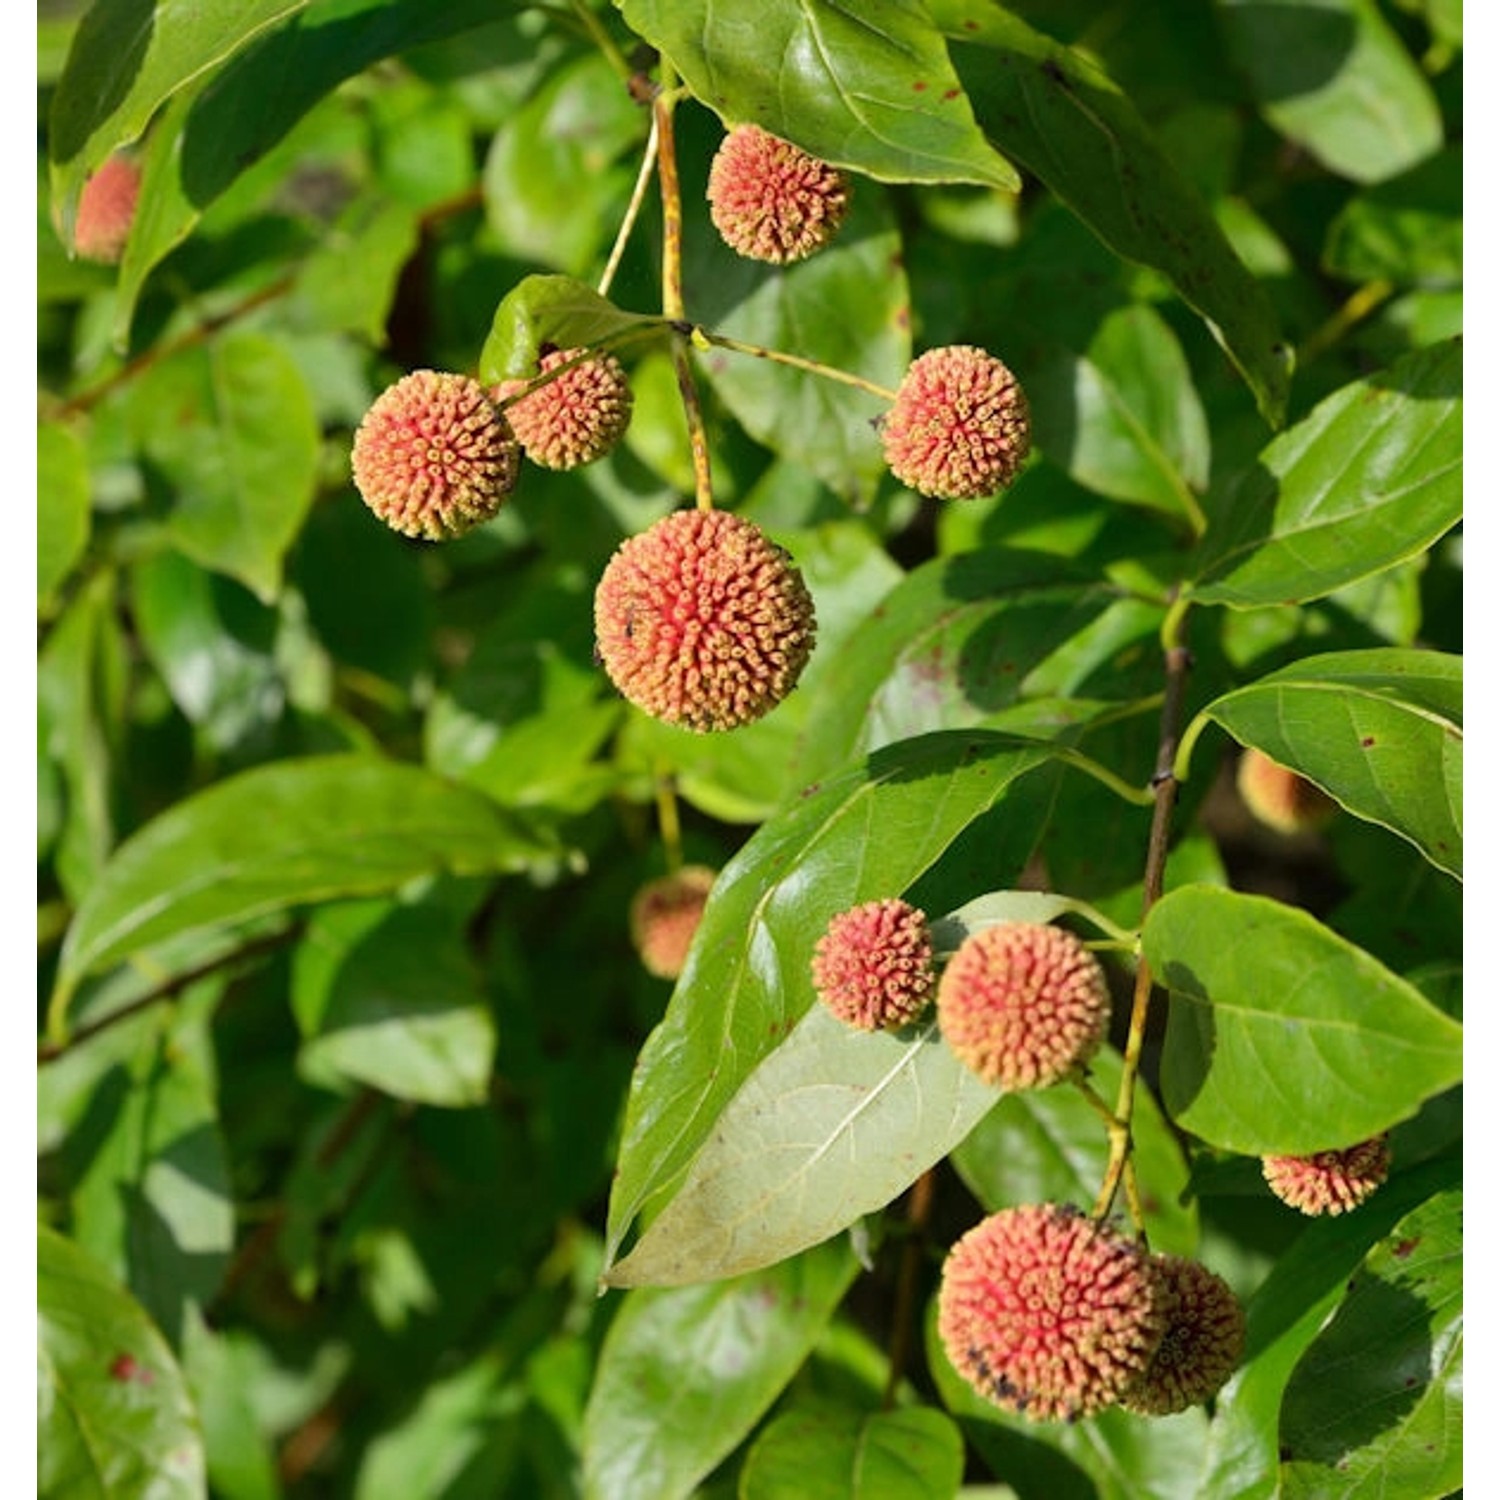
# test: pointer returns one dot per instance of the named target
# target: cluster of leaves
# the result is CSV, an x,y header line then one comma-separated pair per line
x,y
351,1089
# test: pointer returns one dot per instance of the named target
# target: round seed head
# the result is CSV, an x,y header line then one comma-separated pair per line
x,y
106,210
1279,797
960,426
433,457
770,200
1203,1342
574,419
664,916
873,965
702,621
1023,1004
1329,1182
1048,1314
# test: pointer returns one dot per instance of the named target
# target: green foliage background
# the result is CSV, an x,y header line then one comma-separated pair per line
x,y
352,1093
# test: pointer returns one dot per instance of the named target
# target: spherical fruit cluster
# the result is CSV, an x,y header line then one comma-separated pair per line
x,y
1048,1314
664,916
873,965
960,426
106,210
1329,1182
1023,1004
433,457
770,200
1279,797
1202,1344
702,621
575,418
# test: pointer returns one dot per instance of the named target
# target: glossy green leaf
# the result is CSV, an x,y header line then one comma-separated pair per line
x,y
1059,115
214,130
127,58
114,1419
560,170
62,506
281,835
231,429
1048,1146
1122,416
870,832
869,87
994,637
1372,476
1111,1456
154,1204
553,310
686,1372
1375,1405
1282,1319
1334,77
1283,1038
1380,731
390,996
833,1125
848,307
912,1453
1408,230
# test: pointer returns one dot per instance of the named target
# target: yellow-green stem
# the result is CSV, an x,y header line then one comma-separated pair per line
x,y
632,212
704,338
667,818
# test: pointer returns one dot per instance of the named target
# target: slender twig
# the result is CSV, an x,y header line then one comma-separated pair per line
x,y
632,211
602,39
1137,796
49,1051
1178,662
903,1317
1355,309
667,818
671,284
704,337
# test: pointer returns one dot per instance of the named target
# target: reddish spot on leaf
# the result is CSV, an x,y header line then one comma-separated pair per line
x,y
1406,1247
951,94
971,25
127,1369
1367,741
919,86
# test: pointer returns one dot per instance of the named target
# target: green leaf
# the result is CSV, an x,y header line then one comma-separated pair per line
x,y
913,1453
1372,476
1334,77
1111,1456
1063,119
868,833
62,506
848,307
127,58
1409,230
230,427
1380,731
281,835
154,1204
114,1418
1047,1146
390,996
212,132
224,1376
834,1124
686,1372
1283,1038
1122,416
1375,1405
379,236
868,87
995,637
553,310
1283,1317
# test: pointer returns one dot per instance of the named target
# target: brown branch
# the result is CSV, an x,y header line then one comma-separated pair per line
x,y
904,1317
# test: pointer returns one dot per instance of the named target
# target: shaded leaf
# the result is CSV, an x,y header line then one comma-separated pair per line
x,y
1375,1405
913,1453
1334,77
113,1414
1380,731
868,833
869,87
281,835
686,1372
1282,1037
834,1124
62,506
553,310
1372,476
1062,118
1407,230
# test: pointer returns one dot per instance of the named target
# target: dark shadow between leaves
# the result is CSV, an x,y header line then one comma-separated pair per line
x,y
1289,50
1187,1054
